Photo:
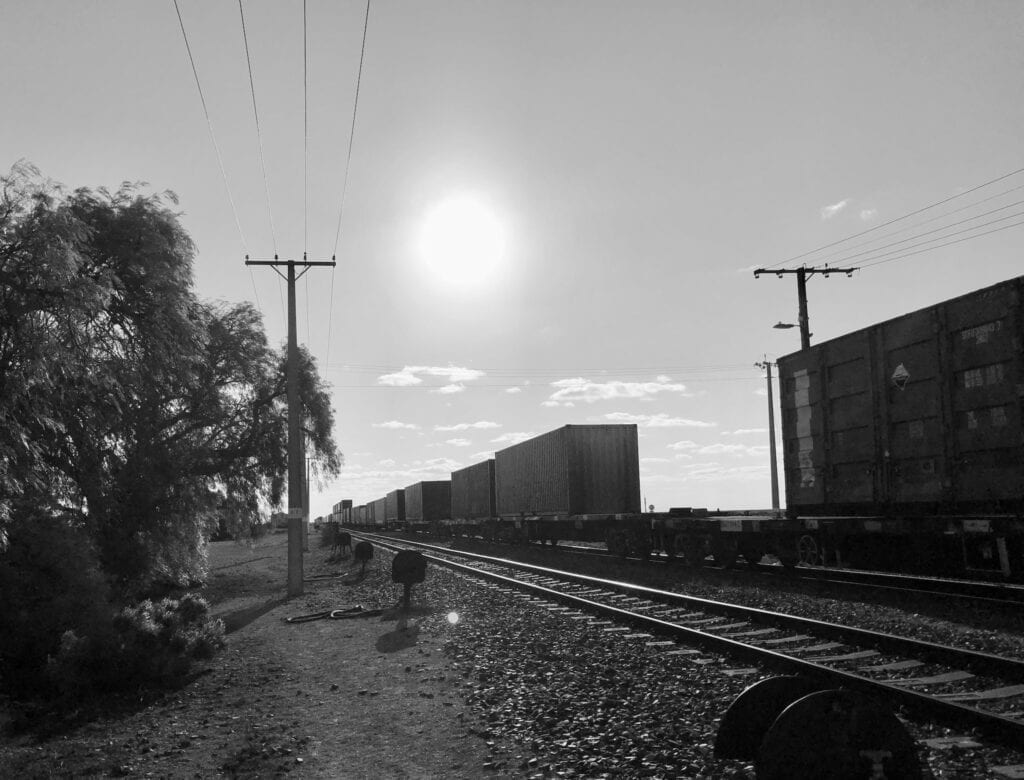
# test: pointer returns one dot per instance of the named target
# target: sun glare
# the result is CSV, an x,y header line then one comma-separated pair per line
x,y
461,243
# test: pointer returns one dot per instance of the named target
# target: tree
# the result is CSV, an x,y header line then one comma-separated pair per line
x,y
159,411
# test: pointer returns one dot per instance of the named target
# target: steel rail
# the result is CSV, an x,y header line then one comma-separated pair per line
x,y
1005,730
977,661
996,593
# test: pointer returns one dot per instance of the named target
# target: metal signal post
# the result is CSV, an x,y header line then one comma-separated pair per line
x,y
295,443
803,273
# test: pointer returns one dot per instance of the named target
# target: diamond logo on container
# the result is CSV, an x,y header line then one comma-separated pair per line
x,y
900,376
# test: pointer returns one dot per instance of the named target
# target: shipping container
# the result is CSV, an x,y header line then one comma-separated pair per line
x,y
473,492
574,470
917,415
395,508
427,502
380,512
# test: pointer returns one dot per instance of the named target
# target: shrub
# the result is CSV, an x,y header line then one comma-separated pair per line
x,y
51,585
154,644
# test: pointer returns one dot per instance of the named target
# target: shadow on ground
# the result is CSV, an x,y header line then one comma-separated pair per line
x,y
240,618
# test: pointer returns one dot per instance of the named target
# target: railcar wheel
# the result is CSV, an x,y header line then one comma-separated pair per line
x,y
615,541
724,552
807,550
788,554
694,550
640,544
752,555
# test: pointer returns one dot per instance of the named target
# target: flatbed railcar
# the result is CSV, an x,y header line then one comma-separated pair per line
x,y
428,505
903,442
903,449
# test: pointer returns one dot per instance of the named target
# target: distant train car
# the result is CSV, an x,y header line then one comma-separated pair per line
x,y
395,509
473,498
428,504
572,475
380,513
903,442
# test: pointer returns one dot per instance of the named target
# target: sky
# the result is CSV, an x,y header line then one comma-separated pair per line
x,y
549,212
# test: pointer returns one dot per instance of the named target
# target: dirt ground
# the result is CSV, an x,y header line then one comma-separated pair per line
x,y
353,698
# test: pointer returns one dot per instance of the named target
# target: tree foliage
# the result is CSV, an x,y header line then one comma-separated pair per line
x,y
127,405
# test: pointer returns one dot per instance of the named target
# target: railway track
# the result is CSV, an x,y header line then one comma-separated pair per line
x,y
990,593
984,692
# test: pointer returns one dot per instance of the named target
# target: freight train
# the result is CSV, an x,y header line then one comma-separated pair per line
x,y
903,449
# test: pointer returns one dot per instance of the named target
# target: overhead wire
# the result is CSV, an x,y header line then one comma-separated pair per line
x,y
897,219
348,164
937,230
941,216
259,134
958,241
216,147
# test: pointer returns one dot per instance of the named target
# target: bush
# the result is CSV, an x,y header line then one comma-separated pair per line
x,y
51,585
153,644
60,636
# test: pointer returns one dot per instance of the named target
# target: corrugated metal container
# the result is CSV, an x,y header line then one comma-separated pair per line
x,y
362,516
920,413
473,492
574,470
395,508
380,511
427,501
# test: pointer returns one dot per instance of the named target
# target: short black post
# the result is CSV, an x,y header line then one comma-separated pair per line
x,y
408,567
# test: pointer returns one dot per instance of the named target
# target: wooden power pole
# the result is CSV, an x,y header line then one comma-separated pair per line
x,y
767,366
296,477
803,273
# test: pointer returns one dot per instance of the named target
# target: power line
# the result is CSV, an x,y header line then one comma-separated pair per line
x,y
348,164
305,140
209,124
216,148
898,219
938,230
259,134
352,130
943,216
958,241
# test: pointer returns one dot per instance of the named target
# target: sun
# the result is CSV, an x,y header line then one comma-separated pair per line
x,y
461,243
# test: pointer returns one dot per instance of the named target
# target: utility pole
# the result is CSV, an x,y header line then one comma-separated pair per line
x,y
767,366
295,443
803,273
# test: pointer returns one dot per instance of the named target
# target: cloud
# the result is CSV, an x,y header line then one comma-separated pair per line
x,y
734,449
745,431
513,438
684,445
713,472
449,389
761,391
868,214
657,420
655,460
579,389
386,462
827,212
513,390
458,442
410,375
480,425
395,425
749,268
